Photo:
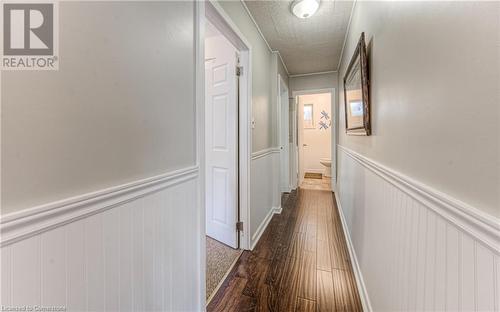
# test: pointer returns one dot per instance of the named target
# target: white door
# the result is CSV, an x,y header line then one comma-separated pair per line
x,y
306,147
221,140
294,153
284,139
301,144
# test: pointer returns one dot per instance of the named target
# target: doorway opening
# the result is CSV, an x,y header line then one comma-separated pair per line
x,y
284,136
226,146
316,139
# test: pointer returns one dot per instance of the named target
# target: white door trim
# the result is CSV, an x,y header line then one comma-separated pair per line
x,y
199,33
294,159
218,17
334,130
284,146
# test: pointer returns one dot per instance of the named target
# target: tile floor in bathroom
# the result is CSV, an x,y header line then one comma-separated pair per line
x,y
323,184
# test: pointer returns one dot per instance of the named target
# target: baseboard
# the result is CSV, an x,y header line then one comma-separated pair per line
x,y
363,293
263,226
286,189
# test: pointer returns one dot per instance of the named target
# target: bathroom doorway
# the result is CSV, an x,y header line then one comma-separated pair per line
x,y
316,139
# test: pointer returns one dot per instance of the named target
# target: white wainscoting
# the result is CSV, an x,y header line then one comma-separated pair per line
x,y
265,195
416,249
133,247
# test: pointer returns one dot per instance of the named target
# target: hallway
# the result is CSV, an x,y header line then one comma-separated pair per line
x,y
301,263
246,155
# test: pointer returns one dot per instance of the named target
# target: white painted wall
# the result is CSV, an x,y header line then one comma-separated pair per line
x,y
420,196
318,140
434,94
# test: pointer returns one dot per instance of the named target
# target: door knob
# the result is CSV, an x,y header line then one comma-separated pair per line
x,y
304,145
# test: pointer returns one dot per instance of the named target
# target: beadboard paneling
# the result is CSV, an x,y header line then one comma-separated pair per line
x,y
138,255
416,251
265,193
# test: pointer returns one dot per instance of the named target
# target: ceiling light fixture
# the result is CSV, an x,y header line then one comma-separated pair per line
x,y
304,8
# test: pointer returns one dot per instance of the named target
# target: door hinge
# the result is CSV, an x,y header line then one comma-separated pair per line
x,y
239,70
239,226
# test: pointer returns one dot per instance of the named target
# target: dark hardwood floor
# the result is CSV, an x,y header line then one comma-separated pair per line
x,y
301,263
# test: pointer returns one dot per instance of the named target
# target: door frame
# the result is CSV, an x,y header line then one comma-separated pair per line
x,y
281,122
294,177
221,174
212,11
333,129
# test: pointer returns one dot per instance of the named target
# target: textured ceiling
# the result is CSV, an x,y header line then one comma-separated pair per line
x,y
306,45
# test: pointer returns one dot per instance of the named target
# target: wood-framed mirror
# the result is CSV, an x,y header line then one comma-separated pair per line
x,y
356,92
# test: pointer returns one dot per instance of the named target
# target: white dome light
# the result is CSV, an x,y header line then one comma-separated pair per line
x,y
305,8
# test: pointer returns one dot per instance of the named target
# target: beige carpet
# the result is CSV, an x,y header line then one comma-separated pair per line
x,y
219,260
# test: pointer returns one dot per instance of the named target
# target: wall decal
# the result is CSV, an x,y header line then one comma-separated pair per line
x,y
323,125
324,115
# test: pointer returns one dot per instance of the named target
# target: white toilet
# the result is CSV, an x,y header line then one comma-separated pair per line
x,y
327,162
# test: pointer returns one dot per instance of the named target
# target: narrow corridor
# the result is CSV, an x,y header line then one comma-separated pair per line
x,y
301,263
185,156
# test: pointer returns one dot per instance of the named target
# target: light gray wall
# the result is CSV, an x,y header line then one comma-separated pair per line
x,y
282,71
274,98
120,108
262,65
311,82
277,68
434,94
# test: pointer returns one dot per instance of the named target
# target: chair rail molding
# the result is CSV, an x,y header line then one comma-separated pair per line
x,y
482,226
413,247
265,152
129,247
32,221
